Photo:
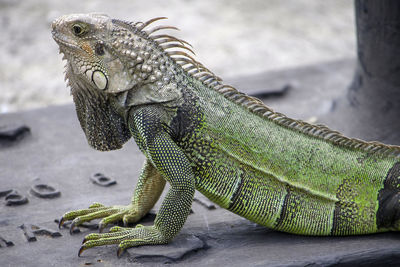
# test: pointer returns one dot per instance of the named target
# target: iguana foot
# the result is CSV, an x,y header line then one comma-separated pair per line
x,y
125,237
110,214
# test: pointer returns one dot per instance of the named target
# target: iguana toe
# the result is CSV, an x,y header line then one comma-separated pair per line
x,y
95,211
125,238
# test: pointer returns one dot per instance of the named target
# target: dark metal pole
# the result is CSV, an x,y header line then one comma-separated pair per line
x,y
371,109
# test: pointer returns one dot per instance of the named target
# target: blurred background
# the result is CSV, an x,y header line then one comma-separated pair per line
x,y
231,37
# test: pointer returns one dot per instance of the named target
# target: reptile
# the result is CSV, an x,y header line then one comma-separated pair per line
x,y
129,80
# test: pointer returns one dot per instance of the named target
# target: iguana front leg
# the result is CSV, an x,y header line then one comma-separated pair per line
x,y
171,162
147,192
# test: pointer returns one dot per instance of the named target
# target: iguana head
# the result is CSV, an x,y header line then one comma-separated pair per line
x,y
113,64
86,42
114,56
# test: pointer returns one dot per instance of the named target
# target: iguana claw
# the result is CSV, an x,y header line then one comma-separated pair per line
x,y
72,227
62,220
81,250
120,251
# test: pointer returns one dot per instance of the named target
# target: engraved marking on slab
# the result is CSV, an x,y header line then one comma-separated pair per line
x,y
6,192
13,197
44,191
102,180
12,133
7,243
30,232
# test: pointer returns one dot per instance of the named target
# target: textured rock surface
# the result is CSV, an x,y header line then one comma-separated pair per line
x,y
56,152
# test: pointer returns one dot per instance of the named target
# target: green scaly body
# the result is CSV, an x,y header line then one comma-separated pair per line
x,y
281,178
198,133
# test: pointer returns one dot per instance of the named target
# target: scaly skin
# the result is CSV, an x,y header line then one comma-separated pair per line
x,y
197,133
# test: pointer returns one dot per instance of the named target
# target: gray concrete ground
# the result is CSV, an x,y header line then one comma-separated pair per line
x,y
231,37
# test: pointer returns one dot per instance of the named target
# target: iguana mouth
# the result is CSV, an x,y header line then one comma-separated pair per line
x,y
63,42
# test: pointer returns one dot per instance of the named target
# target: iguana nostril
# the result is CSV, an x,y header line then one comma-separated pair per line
x,y
54,24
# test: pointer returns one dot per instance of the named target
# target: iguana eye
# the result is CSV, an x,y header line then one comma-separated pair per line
x,y
78,30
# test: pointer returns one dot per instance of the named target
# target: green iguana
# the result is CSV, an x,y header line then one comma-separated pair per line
x,y
200,134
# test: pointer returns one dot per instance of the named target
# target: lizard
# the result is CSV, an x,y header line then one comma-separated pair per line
x,y
128,80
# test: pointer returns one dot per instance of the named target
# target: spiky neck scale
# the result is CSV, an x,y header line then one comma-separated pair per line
x,y
146,64
155,75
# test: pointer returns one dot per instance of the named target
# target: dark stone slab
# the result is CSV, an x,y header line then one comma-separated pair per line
x,y
176,251
57,152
